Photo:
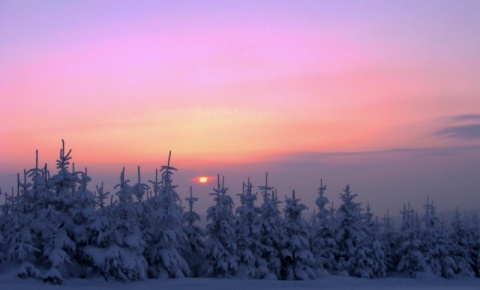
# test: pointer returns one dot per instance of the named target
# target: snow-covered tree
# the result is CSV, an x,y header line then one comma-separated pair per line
x,y
461,240
430,234
388,238
374,245
409,244
272,235
100,197
220,245
251,263
63,184
322,235
139,189
298,262
53,223
82,214
20,242
475,245
195,250
444,253
167,239
355,252
117,246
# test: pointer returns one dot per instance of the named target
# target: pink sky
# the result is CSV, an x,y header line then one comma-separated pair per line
x,y
228,84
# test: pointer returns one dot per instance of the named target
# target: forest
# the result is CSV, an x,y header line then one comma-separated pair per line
x,y
56,225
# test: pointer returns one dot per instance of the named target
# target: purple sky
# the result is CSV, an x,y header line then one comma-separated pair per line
x,y
381,95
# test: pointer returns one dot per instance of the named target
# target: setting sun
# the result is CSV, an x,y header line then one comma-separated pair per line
x,y
203,179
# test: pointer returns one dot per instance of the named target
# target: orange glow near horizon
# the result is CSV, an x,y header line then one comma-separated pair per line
x,y
203,179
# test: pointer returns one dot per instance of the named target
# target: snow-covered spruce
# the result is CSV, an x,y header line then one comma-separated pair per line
x,y
296,257
358,252
195,250
166,237
372,229
475,244
388,238
272,232
322,235
461,243
117,248
251,262
220,245
409,243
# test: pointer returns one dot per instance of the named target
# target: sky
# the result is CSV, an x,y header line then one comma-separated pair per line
x,y
381,95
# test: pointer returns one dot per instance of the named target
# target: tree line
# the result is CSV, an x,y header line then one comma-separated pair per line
x,y
55,227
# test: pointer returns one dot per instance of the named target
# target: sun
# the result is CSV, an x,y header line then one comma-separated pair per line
x,y
203,179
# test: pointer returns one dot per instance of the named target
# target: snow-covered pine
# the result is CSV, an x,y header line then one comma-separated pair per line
x,y
411,260
82,214
195,250
444,250
56,246
251,263
167,239
20,242
429,238
139,189
53,223
297,259
100,237
100,197
143,209
372,228
322,235
354,242
100,230
118,248
475,246
461,240
272,234
63,184
388,238
2,226
220,245
156,184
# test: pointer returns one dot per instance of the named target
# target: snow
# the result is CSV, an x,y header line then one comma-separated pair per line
x,y
327,282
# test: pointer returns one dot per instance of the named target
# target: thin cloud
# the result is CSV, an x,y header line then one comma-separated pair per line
x,y
466,117
465,132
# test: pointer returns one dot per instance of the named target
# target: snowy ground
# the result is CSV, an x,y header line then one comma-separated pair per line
x,y
330,282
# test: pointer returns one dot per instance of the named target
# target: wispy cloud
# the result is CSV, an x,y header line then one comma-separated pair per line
x,y
462,127
401,152
469,132
466,117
